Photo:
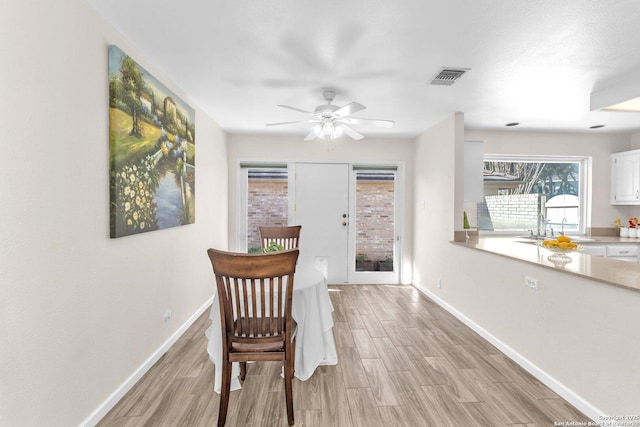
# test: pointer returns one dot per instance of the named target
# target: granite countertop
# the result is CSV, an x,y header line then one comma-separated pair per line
x,y
614,272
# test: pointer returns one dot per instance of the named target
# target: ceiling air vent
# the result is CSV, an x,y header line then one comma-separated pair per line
x,y
448,76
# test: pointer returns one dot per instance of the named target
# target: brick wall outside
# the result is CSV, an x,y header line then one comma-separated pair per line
x,y
509,212
374,214
267,205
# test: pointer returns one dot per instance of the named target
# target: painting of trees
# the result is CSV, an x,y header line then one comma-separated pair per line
x,y
152,153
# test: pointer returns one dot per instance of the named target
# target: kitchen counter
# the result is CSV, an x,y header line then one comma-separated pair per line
x,y
606,270
599,239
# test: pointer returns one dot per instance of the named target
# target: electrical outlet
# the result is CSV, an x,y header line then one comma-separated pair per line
x,y
166,318
439,283
531,282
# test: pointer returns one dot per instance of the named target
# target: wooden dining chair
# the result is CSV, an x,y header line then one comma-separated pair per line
x,y
288,237
255,293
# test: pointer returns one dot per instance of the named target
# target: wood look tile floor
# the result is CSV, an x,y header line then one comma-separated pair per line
x,y
403,361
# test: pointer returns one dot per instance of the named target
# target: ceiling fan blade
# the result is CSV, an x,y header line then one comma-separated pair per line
x,y
352,133
351,108
290,123
375,122
312,135
295,109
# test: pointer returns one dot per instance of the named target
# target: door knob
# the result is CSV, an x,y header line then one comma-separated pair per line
x,y
344,215
344,224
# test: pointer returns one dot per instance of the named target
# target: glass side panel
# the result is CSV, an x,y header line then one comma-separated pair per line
x,y
375,206
267,204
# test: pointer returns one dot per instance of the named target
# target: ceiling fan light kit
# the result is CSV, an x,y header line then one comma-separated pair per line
x,y
331,121
327,129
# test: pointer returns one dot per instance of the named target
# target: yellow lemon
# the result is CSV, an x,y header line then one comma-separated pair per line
x,y
572,245
564,239
552,243
563,245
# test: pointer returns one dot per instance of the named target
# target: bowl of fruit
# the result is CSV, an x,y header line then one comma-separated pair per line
x,y
560,246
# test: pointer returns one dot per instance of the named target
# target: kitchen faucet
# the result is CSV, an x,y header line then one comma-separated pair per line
x,y
562,226
541,220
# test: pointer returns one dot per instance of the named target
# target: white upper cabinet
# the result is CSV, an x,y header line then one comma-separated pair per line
x,y
625,178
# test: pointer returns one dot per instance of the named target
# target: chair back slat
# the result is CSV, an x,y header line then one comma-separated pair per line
x,y
263,322
253,314
279,325
287,237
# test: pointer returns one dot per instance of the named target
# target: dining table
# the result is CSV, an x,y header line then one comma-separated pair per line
x,y
311,309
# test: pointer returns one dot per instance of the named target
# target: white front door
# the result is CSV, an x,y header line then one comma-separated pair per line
x,y
322,208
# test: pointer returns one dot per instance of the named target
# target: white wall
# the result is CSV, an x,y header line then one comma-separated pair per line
x,y
436,212
295,149
80,312
579,336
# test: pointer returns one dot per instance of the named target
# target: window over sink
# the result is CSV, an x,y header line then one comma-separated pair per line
x,y
540,193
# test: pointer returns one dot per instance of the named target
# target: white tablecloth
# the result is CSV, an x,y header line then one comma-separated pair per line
x,y
311,309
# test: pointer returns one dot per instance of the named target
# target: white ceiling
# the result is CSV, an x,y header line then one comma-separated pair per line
x,y
532,61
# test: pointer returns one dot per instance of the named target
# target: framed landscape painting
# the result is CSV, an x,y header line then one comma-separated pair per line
x,y
152,151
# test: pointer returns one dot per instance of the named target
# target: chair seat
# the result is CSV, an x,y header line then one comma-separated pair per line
x,y
260,343
257,347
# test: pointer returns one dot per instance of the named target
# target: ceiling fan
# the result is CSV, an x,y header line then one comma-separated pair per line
x,y
331,121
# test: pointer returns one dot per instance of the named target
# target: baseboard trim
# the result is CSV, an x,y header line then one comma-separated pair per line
x,y
566,393
118,393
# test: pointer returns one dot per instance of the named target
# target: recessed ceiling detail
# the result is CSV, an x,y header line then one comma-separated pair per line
x,y
621,95
448,76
